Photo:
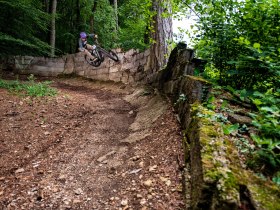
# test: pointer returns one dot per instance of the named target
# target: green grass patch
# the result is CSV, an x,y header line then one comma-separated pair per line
x,y
29,88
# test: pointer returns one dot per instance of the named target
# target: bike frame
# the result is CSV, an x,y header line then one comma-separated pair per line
x,y
98,52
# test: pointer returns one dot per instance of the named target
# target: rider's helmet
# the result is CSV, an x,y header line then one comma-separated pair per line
x,y
83,35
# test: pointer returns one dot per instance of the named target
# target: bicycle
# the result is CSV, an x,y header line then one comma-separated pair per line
x,y
98,52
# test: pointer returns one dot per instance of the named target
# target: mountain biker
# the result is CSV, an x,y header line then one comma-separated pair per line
x,y
84,46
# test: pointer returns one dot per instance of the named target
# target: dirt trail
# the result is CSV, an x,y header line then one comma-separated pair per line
x,y
94,146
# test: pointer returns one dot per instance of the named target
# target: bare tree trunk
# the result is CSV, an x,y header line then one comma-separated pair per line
x,y
78,15
162,35
116,14
52,32
91,21
47,6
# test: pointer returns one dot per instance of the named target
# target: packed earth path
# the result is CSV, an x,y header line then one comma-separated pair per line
x,y
93,146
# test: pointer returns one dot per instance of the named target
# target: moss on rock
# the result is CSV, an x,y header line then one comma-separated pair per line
x,y
222,177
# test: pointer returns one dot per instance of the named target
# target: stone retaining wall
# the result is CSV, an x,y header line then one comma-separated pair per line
x,y
131,68
214,177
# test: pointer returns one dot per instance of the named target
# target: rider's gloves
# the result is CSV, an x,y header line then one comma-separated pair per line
x,y
95,36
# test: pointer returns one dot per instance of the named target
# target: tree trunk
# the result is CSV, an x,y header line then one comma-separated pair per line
x,y
162,35
47,6
116,14
78,16
52,32
91,21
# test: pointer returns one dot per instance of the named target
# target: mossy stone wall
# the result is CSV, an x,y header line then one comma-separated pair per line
x,y
214,178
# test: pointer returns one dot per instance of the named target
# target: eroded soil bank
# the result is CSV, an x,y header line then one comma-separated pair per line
x,y
93,146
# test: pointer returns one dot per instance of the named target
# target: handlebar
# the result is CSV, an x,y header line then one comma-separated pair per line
x,y
95,38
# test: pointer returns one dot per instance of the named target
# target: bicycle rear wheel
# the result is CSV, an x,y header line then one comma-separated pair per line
x,y
96,62
101,55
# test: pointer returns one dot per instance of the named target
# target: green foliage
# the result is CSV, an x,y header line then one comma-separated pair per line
x,y
268,124
228,129
265,160
28,26
267,119
182,98
218,117
20,23
105,24
135,17
72,18
210,72
276,178
29,21
131,31
210,104
263,150
244,146
30,88
241,40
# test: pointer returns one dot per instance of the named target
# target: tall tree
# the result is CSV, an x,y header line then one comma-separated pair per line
x,y
92,16
116,14
78,15
47,6
52,31
161,34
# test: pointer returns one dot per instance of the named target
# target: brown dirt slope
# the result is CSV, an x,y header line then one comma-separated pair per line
x,y
93,146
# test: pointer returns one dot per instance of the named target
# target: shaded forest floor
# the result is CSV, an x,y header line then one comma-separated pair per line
x,y
93,146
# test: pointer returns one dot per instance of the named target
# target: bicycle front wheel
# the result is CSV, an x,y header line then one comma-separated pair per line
x,y
110,54
113,56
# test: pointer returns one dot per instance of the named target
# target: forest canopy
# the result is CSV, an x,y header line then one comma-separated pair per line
x,y
239,39
120,23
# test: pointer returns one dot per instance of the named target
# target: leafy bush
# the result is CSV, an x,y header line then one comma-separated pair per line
x,y
240,40
263,149
268,124
134,17
267,119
